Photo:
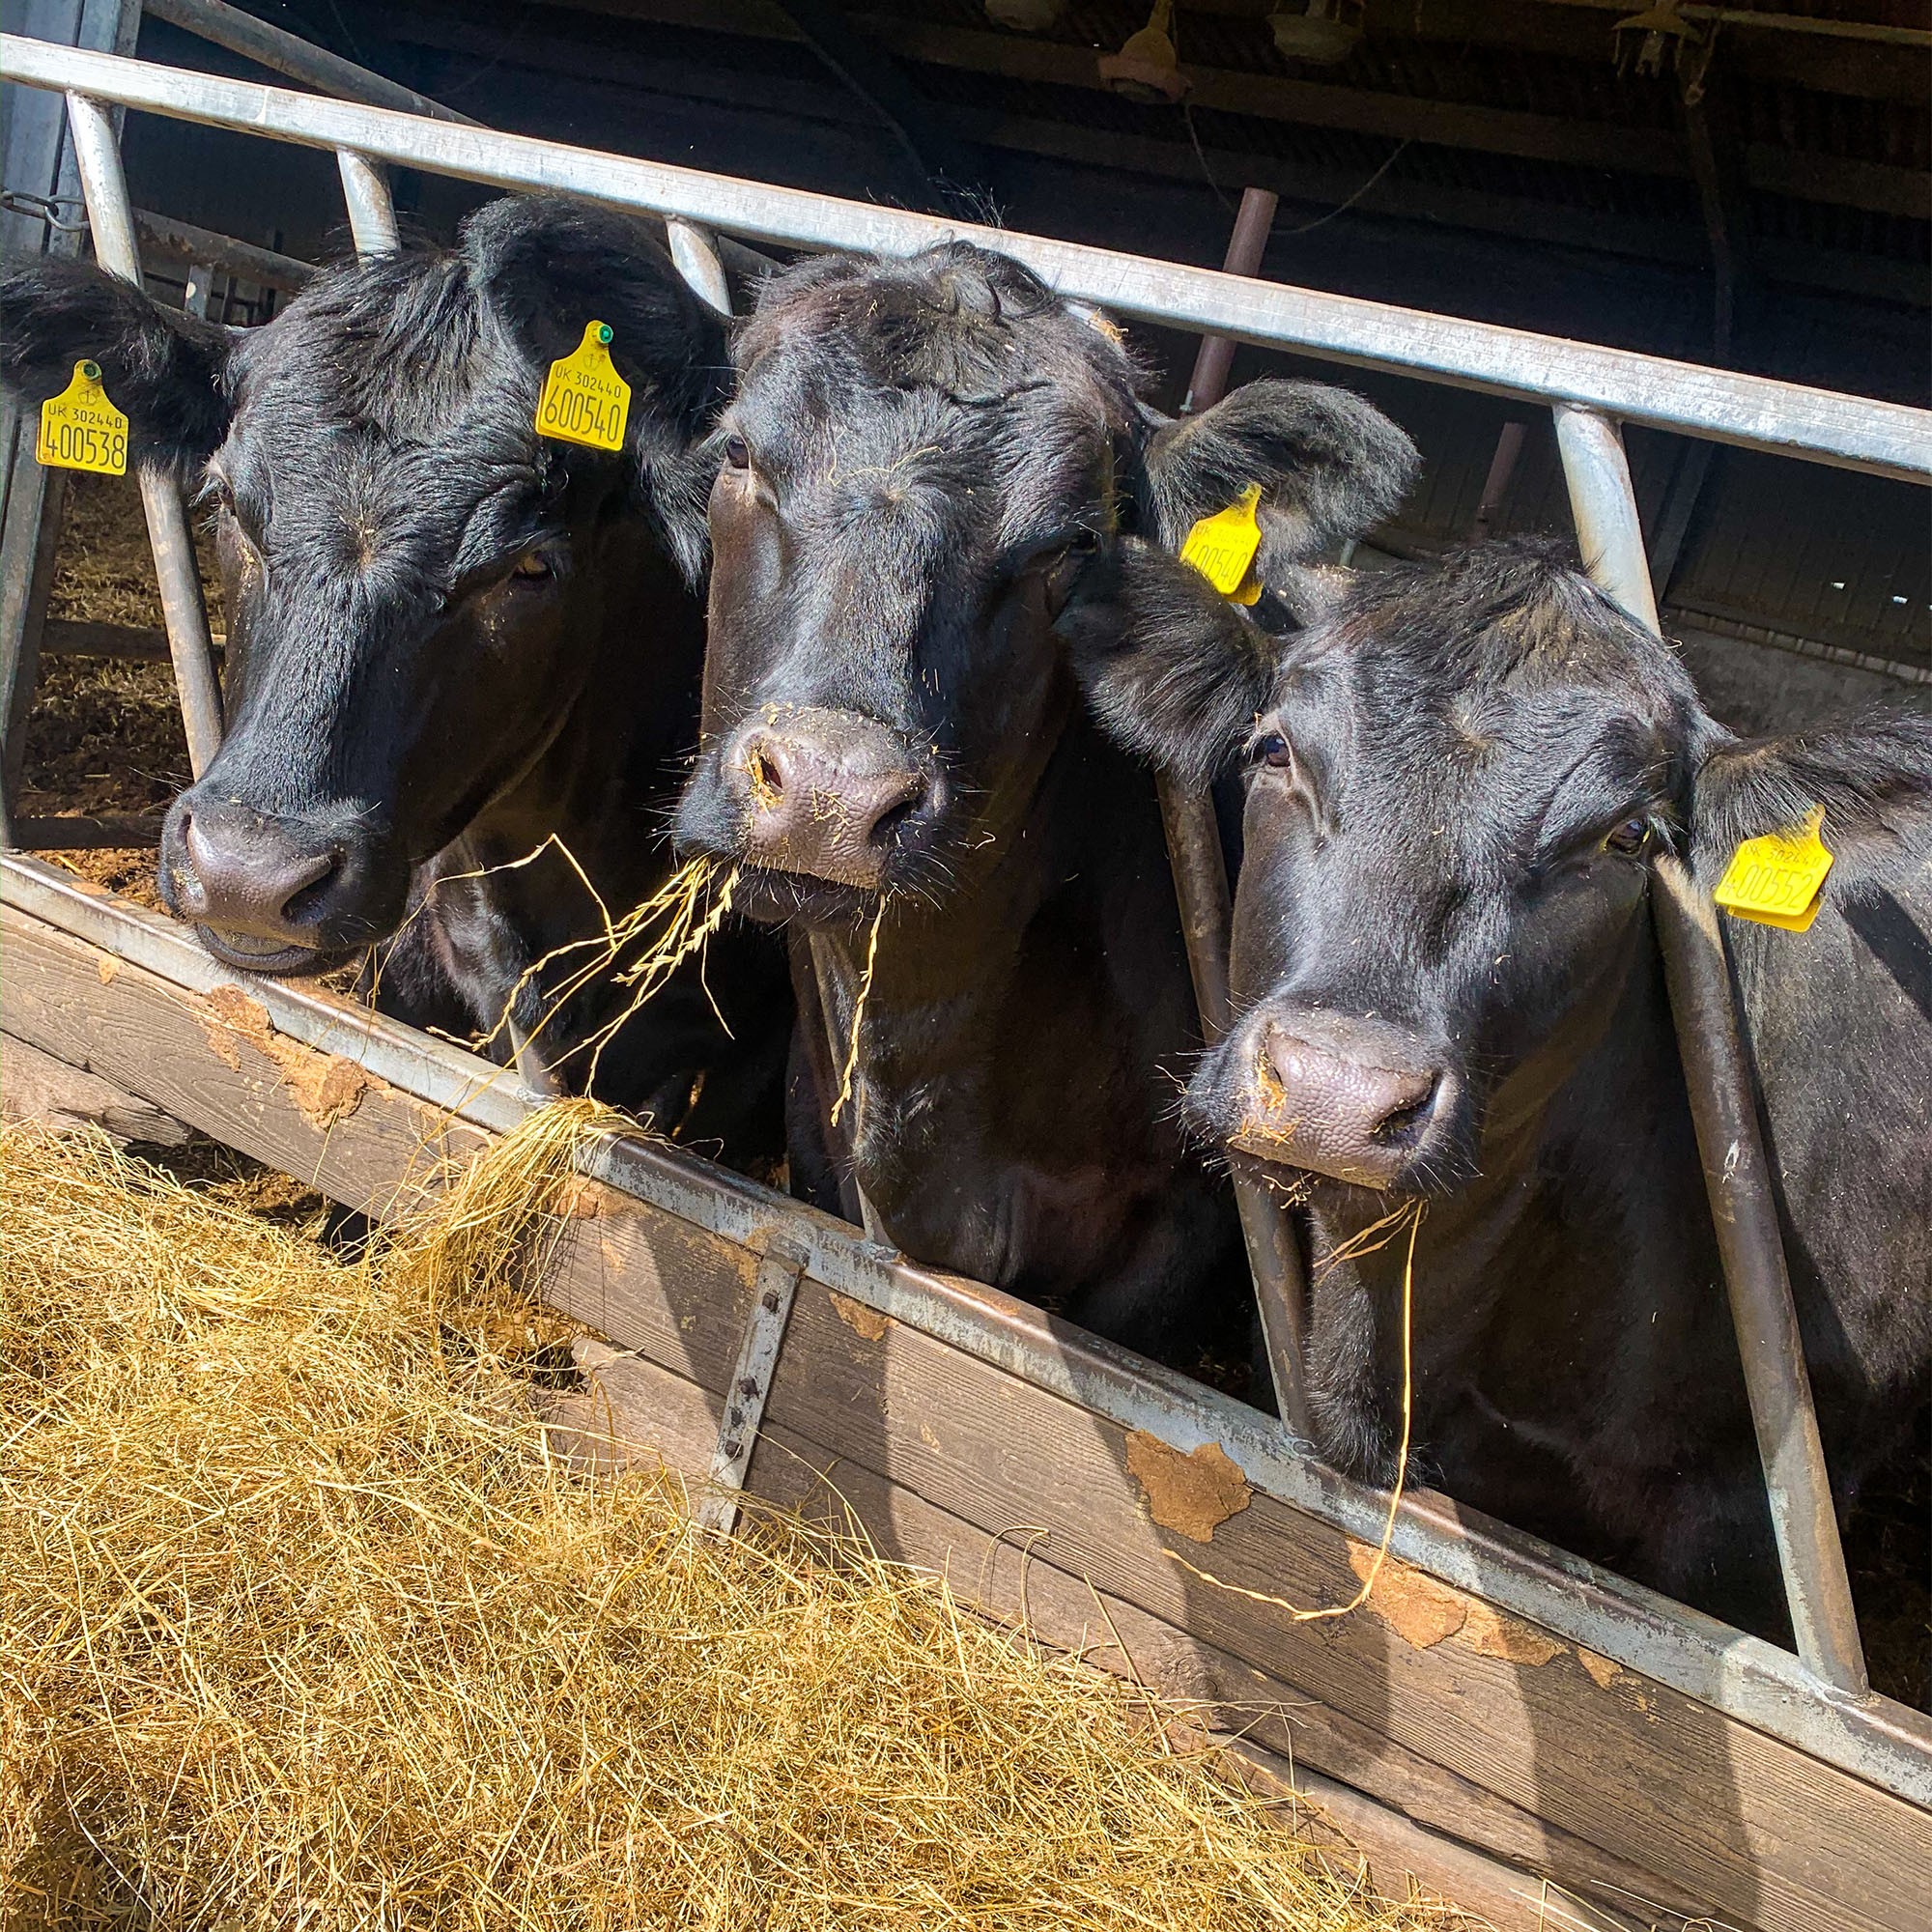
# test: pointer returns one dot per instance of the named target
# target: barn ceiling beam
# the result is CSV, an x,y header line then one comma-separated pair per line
x,y
1618,147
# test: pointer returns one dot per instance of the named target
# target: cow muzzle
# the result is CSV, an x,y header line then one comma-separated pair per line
x,y
269,893
1353,1100
825,793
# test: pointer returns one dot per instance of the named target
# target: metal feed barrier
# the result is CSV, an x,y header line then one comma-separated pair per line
x,y
1819,1701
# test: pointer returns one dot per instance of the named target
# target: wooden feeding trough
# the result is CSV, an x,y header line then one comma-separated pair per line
x,y
1541,1739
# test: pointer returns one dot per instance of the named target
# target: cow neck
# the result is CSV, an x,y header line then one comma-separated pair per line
x,y
601,784
935,971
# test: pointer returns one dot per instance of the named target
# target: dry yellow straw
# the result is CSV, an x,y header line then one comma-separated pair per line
x,y
858,1015
1353,1246
301,1622
672,924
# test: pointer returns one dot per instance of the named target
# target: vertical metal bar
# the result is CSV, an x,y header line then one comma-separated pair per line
x,y
1495,485
1201,886
98,153
372,214
1724,1109
1822,1617
696,255
200,284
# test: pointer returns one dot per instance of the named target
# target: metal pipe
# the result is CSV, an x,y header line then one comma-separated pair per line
x,y
1201,886
1254,221
1753,411
98,155
1603,506
1724,1112
697,260
1822,1617
300,59
372,216
184,241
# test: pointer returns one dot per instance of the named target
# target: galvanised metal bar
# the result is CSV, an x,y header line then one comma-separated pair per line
x,y
111,219
696,255
1802,1517
1743,1676
1753,411
1201,887
1724,1109
372,216
300,59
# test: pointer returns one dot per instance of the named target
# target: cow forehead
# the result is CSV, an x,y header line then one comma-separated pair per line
x,y
1467,774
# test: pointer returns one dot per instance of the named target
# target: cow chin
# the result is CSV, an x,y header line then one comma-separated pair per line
x,y
246,952
771,896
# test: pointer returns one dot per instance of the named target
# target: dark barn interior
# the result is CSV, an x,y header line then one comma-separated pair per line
x,y
1753,193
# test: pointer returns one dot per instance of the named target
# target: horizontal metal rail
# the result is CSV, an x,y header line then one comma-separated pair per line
x,y
1751,412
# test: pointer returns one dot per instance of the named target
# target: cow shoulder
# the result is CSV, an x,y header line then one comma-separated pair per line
x,y
163,369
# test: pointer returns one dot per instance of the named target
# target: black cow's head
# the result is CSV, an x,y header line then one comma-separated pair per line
x,y
920,458
412,576
1455,782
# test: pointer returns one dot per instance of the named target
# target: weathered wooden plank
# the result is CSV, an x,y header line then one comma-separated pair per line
x,y
38,1087
1743,1823
1739,1821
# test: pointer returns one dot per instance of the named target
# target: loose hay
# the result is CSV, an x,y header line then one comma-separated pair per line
x,y
301,1624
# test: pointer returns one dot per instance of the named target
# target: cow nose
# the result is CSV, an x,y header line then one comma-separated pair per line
x,y
825,793
1332,1108
251,877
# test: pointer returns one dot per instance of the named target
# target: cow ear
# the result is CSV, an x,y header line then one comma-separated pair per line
x,y
1329,465
162,369
1174,671
1872,772
547,266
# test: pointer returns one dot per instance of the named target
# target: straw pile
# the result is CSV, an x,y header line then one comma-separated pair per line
x,y
301,1624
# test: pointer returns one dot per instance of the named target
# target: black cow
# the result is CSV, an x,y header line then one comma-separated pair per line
x,y
919,456
449,638
1451,992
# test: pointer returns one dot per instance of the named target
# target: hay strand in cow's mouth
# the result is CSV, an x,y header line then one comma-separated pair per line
x,y
865,993
303,1623
677,921
1412,1214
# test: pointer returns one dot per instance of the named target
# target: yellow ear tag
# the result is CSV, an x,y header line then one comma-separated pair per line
x,y
1776,879
585,400
1222,547
80,429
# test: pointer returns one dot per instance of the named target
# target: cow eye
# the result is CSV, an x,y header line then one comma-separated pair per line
x,y
1275,752
534,567
1629,839
737,452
